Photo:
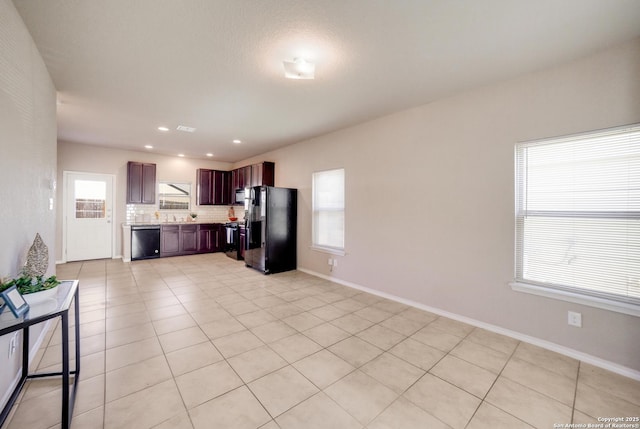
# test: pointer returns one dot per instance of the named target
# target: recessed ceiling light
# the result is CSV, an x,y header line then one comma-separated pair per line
x,y
148,146
209,154
299,69
185,129
181,155
164,129
236,141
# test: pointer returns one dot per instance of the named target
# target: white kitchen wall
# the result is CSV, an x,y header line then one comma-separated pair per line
x,y
27,161
430,198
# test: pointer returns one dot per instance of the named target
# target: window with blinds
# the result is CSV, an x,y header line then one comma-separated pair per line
x,y
578,214
328,210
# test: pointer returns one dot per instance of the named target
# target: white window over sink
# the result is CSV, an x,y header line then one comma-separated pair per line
x,y
578,218
174,196
328,210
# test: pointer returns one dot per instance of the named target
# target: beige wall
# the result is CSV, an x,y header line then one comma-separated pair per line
x,y
93,159
27,158
429,198
429,211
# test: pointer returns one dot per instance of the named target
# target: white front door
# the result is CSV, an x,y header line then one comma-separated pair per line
x,y
88,225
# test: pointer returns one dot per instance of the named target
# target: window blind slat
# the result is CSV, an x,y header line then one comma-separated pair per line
x,y
328,209
578,213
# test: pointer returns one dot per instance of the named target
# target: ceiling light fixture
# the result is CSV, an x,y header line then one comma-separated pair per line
x,y
163,129
148,146
236,141
209,154
299,69
181,155
185,129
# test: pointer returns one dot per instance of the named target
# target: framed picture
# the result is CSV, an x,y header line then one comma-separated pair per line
x,y
14,301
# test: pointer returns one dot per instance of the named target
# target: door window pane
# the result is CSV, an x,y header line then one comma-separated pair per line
x,y
90,199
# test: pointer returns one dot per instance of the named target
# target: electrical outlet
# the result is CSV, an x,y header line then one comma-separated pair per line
x,y
575,319
12,345
330,261
335,262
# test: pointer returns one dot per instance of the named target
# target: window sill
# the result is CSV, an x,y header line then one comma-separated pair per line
x,y
330,250
605,304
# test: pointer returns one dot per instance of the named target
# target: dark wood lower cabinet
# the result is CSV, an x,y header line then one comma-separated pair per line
x,y
209,238
219,238
188,239
170,240
185,239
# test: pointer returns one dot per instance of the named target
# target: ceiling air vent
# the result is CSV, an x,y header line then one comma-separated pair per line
x,y
185,129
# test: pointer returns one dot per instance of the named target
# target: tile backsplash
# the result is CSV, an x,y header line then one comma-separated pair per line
x,y
145,213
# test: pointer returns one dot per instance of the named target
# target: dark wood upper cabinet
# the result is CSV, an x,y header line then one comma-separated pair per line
x,y
268,174
246,173
204,187
216,187
213,187
237,179
256,174
262,174
141,183
221,187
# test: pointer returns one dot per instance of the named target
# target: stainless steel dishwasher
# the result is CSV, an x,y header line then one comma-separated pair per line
x,y
145,242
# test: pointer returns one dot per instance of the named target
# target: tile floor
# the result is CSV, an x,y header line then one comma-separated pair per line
x,y
203,342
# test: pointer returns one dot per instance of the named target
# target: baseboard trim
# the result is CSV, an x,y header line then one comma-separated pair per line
x,y
572,353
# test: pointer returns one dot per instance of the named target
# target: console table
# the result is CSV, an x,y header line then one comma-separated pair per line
x,y
55,307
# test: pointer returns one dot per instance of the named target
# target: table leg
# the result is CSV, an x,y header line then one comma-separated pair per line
x,y
77,330
25,352
65,370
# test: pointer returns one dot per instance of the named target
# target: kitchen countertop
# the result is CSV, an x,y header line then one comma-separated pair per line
x,y
240,222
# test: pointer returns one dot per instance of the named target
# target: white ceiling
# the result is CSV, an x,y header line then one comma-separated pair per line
x,y
124,67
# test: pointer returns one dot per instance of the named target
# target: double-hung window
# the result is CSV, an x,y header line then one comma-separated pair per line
x,y
578,218
328,210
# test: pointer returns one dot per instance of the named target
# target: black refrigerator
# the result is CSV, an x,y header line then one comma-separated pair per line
x,y
271,228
